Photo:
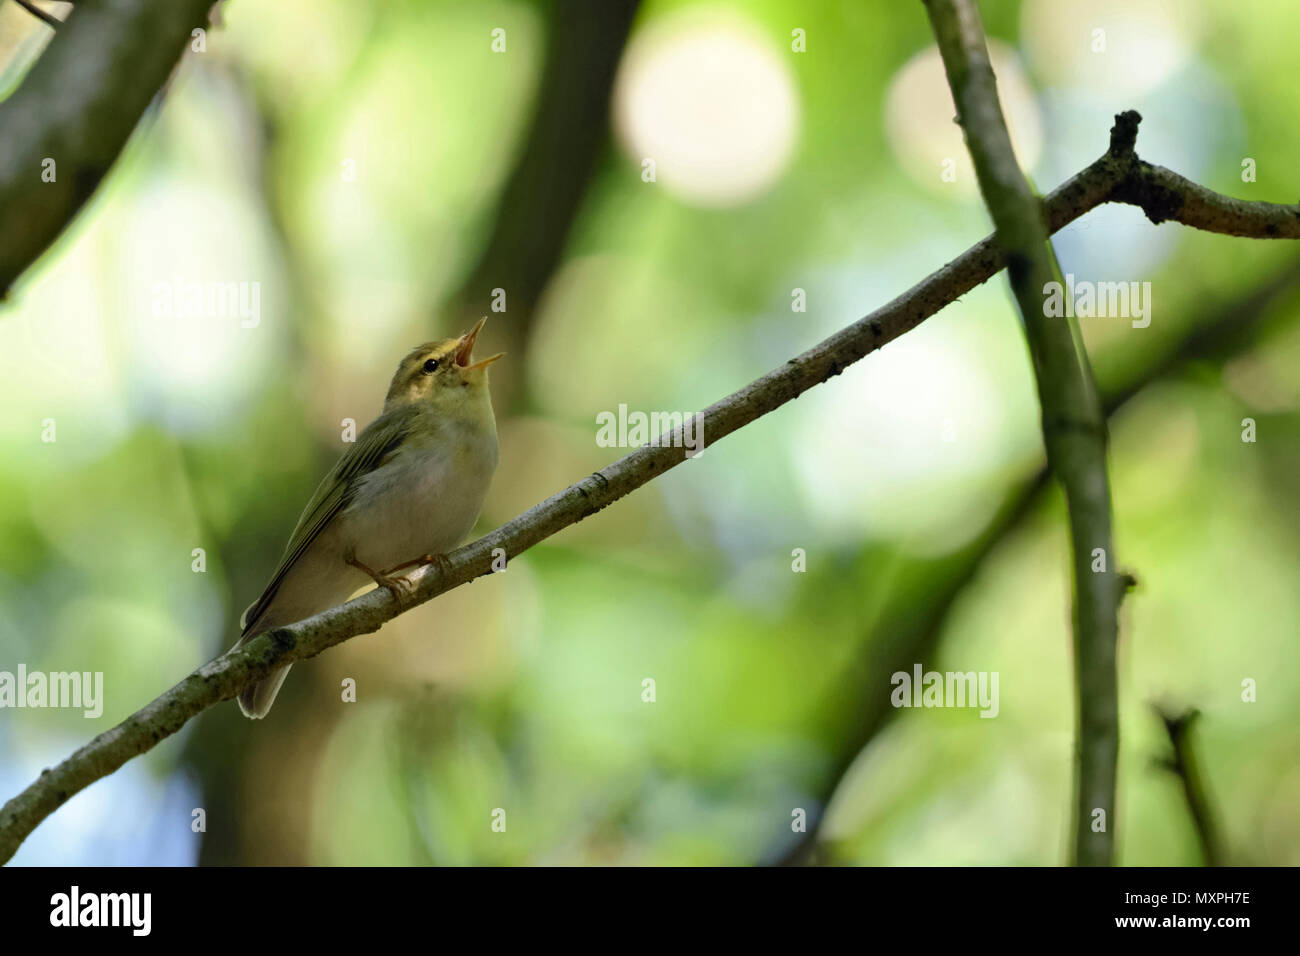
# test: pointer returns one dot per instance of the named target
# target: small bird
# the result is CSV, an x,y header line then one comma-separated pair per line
x,y
412,483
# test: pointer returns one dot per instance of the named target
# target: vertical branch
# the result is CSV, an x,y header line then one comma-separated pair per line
x,y
1074,430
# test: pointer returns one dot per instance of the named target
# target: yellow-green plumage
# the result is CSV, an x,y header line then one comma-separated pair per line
x,y
412,484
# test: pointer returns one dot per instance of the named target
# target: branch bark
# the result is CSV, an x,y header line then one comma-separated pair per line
x,y
223,678
78,106
1074,429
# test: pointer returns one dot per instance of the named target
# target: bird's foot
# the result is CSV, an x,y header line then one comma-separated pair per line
x,y
442,562
402,589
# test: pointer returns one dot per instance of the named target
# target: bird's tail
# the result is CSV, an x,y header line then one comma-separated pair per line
x,y
256,699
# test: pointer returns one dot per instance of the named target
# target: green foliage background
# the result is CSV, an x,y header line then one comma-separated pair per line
x,y
524,690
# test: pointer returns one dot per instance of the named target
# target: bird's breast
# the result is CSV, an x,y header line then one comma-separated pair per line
x,y
423,500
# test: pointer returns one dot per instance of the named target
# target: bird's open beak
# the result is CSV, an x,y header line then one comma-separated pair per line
x,y
466,348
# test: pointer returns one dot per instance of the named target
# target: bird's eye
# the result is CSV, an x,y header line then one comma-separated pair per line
x,y
430,366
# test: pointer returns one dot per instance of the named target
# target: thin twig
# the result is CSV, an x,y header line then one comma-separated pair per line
x,y
1074,429
224,677
1185,765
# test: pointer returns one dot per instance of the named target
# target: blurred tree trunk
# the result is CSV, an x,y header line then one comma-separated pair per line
x,y
541,200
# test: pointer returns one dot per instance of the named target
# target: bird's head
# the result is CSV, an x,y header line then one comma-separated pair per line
x,y
443,375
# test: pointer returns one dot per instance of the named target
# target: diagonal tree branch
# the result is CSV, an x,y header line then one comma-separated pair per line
x,y
77,107
223,678
1074,429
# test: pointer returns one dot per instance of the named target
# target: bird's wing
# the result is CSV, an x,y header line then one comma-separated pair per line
x,y
375,443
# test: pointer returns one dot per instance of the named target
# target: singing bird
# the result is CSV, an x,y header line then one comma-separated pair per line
x,y
412,484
